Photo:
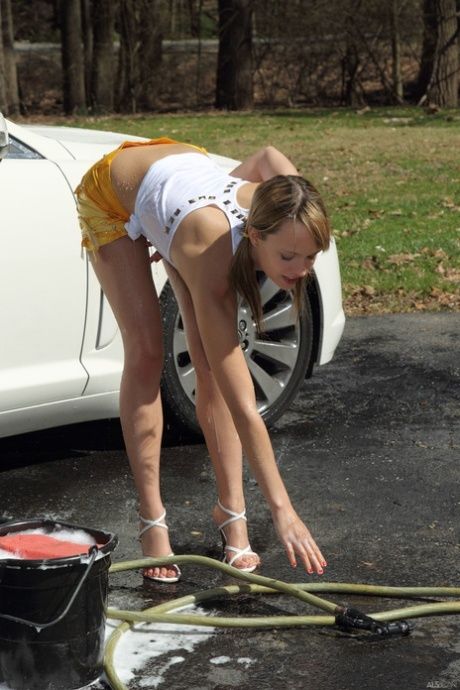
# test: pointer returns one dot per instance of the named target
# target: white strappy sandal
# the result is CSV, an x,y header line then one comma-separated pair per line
x,y
159,522
237,553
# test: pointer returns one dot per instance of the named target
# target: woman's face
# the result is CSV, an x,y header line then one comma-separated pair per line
x,y
284,256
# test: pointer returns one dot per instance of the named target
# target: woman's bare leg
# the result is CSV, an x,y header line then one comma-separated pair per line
x,y
216,422
123,270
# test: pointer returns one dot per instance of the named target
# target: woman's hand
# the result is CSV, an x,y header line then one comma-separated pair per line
x,y
298,541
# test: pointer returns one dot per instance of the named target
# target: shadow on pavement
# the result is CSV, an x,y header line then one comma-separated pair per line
x,y
75,441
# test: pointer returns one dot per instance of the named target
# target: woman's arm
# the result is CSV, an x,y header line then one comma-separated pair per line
x,y
216,317
215,311
263,164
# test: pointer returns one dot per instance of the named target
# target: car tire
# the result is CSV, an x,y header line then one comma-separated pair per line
x,y
294,338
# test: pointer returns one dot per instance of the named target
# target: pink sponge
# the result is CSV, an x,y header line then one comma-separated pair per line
x,y
40,546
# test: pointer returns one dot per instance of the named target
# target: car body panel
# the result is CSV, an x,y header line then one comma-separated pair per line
x,y
41,291
332,314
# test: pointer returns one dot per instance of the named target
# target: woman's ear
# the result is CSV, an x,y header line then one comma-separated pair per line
x,y
253,235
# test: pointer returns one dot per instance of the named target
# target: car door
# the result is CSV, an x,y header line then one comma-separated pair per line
x,y
43,284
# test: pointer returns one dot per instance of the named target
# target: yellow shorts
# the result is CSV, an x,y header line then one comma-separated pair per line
x,y
101,216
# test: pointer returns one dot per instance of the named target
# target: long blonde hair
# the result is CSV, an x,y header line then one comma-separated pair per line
x,y
275,200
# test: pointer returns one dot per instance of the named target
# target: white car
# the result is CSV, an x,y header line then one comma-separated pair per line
x,y
60,348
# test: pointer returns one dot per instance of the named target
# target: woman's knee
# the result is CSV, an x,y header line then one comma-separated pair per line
x,y
144,361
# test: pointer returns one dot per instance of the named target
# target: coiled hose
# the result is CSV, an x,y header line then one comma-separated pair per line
x,y
336,614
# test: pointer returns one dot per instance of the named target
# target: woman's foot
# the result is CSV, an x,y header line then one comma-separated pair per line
x,y
233,528
153,534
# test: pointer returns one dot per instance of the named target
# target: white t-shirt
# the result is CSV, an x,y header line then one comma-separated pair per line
x,y
176,185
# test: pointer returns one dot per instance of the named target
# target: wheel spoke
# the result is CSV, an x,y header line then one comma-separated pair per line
x,y
283,316
284,353
267,290
180,342
270,386
187,379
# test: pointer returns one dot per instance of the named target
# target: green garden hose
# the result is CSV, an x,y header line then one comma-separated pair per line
x,y
257,584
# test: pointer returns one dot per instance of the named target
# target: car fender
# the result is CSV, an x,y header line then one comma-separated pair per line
x,y
331,314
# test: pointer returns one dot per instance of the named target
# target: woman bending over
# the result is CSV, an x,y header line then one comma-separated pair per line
x,y
214,231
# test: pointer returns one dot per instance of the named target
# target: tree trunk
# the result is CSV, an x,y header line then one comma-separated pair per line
x,y
234,89
102,68
88,44
396,52
149,59
125,93
439,72
140,55
194,14
350,66
72,57
9,58
351,60
3,103
428,47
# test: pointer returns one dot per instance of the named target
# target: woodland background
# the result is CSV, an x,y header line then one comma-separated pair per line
x,y
361,94
128,56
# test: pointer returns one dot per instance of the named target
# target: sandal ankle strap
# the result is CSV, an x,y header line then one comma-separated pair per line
x,y
159,522
233,515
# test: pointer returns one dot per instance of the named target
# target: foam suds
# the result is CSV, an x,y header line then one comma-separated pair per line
x,y
76,536
147,651
7,554
218,660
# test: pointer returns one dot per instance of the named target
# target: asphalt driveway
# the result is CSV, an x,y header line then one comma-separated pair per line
x,y
370,452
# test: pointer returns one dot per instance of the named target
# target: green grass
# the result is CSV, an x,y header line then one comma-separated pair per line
x,y
390,178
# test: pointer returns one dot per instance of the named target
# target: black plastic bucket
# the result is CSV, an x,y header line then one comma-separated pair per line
x,y
52,614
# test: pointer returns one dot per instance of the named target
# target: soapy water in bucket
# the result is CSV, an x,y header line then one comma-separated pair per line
x,y
39,543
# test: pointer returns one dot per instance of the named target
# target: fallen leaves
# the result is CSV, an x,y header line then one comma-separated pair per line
x,y
449,203
403,258
451,300
371,263
367,299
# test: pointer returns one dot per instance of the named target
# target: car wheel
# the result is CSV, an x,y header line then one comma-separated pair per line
x,y
278,358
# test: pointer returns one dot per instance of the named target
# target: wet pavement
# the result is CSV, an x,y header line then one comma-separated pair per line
x,y
370,452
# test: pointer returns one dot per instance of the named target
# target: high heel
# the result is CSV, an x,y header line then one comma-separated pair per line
x,y
237,553
159,522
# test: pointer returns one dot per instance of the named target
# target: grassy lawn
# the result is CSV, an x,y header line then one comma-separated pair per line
x,y
390,179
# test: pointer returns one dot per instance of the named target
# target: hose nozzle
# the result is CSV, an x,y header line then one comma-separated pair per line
x,y
348,619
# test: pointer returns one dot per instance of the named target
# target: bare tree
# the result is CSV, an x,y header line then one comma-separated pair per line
x,y
195,11
439,72
151,41
3,103
351,61
330,51
396,51
72,57
234,89
140,54
9,58
88,43
103,55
